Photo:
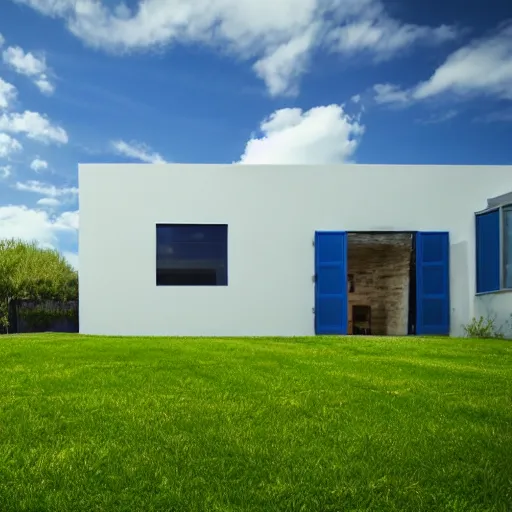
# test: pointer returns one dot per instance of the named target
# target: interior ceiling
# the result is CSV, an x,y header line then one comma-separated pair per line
x,y
369,239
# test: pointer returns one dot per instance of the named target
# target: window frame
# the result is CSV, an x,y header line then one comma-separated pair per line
x,y
504,244
193,225
501,208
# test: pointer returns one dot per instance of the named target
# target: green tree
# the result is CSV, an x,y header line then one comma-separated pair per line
x,y
28,271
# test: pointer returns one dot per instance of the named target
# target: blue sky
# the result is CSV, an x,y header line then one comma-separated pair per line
x,y
294,81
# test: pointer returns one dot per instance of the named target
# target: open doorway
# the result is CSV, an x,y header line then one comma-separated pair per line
x,y
381,279
399,283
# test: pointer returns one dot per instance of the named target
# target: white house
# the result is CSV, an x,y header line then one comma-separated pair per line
x,y
231,250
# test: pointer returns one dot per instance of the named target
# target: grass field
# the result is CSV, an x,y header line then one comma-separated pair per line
x,y
323,424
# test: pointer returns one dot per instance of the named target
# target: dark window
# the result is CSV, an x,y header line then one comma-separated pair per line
x,y
488,251
507,242
191,255
494,249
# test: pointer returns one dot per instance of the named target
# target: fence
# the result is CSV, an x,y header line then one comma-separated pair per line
x,y
42,316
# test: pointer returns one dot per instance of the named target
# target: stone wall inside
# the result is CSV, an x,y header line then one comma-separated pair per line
x,y
380,266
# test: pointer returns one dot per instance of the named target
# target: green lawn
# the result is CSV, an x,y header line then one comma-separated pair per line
x,y
316,424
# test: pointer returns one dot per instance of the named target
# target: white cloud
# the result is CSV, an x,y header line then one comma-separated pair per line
x,y
483,67
72,258
23,63
8,145
7,94
440,117
503,115
44,85
34,225
391,94
48,201
34,125
70,219
5,171
137,151
384,36
281,68
38,165
45,189
29,65
322,135
2,40
277,35
244,24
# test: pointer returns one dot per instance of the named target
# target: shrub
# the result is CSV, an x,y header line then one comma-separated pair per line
x,y
28,271
43,316
483,327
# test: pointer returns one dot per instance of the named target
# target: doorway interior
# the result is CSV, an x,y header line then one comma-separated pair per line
x,y
381,277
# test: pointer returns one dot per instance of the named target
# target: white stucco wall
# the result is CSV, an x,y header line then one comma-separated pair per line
x,y
272,213
497,306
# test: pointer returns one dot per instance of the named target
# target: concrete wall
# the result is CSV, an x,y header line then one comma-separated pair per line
x,y
380,265
272,213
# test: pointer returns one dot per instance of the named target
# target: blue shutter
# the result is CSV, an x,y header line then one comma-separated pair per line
x,y
433,283
488,251
331,308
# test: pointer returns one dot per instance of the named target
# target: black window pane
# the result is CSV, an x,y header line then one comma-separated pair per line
x,y
190,251
186,277
191,255
169,233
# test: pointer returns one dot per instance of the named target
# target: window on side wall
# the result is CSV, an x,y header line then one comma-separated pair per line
x,y
507,242
494,249
191,255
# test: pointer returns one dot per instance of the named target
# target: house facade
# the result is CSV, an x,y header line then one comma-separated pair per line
x,y
231,250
